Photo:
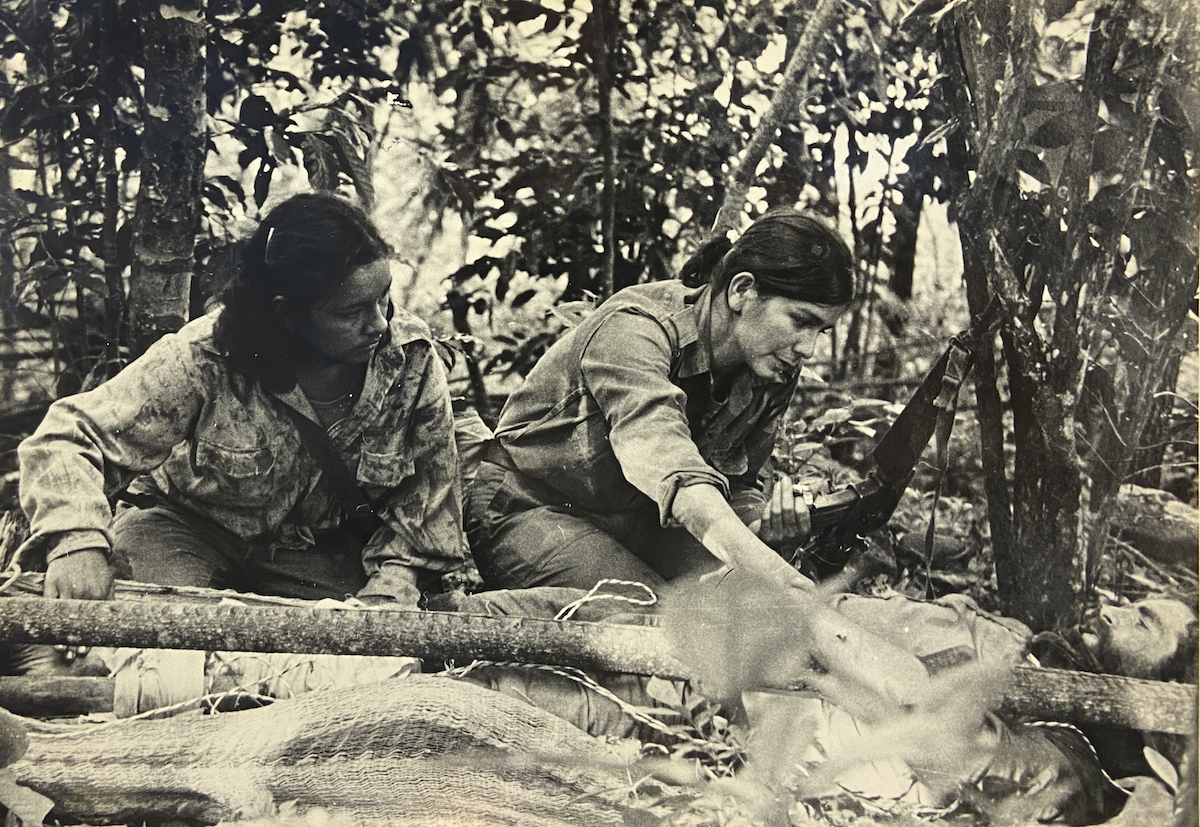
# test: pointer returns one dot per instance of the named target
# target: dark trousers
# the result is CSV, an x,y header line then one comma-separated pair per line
x,y
170,546
522,535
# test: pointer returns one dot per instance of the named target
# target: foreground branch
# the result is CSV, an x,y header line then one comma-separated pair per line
x,y
783,108
436,636
1074,697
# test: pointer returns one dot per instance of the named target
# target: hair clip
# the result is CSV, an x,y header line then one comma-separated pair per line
x,y
267,247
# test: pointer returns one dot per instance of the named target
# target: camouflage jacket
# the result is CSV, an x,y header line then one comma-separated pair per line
x,y
179,423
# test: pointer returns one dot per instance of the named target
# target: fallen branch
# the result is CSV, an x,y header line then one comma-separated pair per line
x,y
1074,697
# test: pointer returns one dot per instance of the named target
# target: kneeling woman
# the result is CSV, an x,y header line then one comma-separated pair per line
x,y
236,437
633,449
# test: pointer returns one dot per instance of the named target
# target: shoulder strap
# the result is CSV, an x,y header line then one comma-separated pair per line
x,y
345,486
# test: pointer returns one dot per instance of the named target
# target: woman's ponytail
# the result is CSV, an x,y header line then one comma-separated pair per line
x,y
702,266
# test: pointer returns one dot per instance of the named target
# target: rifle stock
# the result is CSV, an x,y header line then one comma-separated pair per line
x,y
839,518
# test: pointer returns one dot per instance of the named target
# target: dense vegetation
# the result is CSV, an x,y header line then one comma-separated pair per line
x,y
564,149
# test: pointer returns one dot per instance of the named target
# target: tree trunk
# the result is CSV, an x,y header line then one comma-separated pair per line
x,y
1037,553
114,299
8,270
783,108
174,146
610,24
904,240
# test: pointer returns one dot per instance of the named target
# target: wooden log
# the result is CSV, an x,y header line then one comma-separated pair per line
x,y
1086,697
1074,697
50,695
437,636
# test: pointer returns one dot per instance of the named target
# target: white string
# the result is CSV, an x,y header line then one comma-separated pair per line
x,y
594,594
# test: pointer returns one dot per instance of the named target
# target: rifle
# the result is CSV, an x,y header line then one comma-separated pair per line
x,y
840,519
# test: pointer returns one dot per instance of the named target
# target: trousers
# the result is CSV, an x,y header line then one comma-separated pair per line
x,y
523,535
170,546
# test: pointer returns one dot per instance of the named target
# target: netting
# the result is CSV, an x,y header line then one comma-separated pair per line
x,y
494,745
423,750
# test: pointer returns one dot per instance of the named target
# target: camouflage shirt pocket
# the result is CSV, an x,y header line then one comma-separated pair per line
x,y
236,462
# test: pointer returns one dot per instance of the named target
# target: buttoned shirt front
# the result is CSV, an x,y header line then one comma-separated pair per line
x,y
622,408
181,424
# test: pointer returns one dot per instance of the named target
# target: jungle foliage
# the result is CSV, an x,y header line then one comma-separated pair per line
x,y
585,146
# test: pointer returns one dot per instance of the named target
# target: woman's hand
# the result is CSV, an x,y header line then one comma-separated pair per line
x,y
746,632
81,575
705,513
785,575
785,520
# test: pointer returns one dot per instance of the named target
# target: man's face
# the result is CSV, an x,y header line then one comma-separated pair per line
x,y
1141,639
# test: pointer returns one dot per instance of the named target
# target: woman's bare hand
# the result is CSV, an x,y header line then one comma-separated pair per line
x,y
80,575
786,521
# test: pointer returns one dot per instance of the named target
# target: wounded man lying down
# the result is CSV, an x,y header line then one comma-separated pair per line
x,y
936,745
942,745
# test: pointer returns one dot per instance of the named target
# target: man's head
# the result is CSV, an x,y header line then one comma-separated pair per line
x,y
1153,639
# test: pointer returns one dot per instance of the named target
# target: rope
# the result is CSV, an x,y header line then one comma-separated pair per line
x,y
579,677
13,574
594,594
583,679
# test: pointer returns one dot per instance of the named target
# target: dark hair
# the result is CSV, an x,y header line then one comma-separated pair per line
x,y
789,254
303,250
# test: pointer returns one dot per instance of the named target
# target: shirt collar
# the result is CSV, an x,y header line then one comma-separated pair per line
x,y
696,358
385,366
693,325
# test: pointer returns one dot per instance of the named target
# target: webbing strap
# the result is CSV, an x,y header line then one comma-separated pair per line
x,y
957,366
343,483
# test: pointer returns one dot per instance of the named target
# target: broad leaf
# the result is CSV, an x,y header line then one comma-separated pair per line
x,y
256,113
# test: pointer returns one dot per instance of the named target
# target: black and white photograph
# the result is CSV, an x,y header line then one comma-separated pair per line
x,y
557,413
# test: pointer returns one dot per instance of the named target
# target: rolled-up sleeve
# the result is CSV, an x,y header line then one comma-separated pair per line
x,y
91,445
423,513
626,366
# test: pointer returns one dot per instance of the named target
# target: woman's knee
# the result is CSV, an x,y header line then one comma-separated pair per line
x,y
544,547
154,545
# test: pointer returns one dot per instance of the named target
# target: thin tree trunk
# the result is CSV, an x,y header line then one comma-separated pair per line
x,y
784,106
852,347
904,241
8,270
610,24
174,146
114,299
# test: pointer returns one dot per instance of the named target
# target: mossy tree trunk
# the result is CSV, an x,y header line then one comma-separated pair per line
x,y
174,145
1070,262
